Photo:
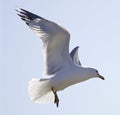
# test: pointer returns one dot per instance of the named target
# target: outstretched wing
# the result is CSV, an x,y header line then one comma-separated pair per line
x,y
74,56
55,41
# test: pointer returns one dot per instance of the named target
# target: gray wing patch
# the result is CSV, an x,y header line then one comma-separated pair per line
x,y
74,56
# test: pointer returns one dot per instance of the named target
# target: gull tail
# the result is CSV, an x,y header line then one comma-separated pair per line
x,y
40,91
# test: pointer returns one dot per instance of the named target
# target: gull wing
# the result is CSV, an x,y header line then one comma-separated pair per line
x,y
74,56
55,41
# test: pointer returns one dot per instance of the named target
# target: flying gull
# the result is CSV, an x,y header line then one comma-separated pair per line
x,y
61,68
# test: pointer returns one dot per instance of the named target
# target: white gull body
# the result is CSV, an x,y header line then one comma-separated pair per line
x,y
61,68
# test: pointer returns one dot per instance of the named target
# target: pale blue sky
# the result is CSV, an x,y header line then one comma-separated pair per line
x,y
94,26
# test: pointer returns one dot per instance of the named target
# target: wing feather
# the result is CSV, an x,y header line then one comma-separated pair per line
x,y
55,41
74,56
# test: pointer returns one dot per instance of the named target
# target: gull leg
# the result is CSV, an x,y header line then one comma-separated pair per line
x,y
56,100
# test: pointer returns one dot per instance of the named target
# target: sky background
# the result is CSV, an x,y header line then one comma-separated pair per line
x,y
94,25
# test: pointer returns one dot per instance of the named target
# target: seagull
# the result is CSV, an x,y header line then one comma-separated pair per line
x,y
61,68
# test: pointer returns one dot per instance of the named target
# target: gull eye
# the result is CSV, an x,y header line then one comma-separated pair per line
x,y
96,71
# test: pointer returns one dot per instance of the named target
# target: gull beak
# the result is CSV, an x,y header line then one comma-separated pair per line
x,y
101,77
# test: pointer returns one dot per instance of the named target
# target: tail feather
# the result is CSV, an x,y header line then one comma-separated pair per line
x,y
40,91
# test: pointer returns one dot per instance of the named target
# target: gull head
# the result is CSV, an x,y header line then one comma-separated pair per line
x,y
94,73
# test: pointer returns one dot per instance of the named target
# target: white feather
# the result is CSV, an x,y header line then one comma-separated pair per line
x,y
40,91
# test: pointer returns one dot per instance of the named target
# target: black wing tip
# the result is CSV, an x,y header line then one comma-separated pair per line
x,y
19,10
22,13
74,51
26,14
76,48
